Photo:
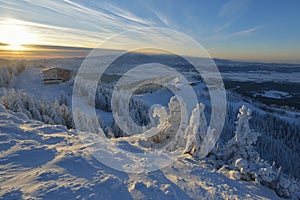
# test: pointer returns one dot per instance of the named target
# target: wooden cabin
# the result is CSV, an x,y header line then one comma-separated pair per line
x,y
194,83
56,75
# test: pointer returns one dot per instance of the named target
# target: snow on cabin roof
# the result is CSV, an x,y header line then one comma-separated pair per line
x,y
50,68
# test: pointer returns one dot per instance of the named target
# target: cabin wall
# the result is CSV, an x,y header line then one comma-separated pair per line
x,y
50,74
56,75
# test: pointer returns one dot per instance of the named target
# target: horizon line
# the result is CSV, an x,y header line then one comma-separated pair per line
x,y
40,51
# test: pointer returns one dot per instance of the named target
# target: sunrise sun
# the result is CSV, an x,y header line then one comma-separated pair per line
x,y
15,36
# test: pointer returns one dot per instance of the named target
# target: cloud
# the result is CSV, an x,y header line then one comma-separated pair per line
x,y
231,7
69,23
222,27
162,18
126,15
3,44
33,51
79,23
57,48
231,10
224,36
246,31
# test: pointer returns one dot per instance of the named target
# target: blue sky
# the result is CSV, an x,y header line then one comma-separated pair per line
x,y
253,30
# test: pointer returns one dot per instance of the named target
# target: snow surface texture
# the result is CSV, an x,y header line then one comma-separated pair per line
x,y
49,162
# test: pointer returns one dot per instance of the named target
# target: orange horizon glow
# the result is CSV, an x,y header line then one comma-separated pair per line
x,y
32,53
18,41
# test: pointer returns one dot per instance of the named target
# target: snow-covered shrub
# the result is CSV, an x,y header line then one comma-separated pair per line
x,y
161,113
196,131
103,99
86,122
241,145
139,112
9,71
148,88
41,110
5,76
188,137
264,173
136,111
102,92
279,140
63,99
171,126
178,119
235,175
240,155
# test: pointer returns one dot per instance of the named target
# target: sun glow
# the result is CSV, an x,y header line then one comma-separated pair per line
x,y
15,35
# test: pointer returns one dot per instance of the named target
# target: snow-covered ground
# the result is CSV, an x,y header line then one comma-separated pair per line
x,y
49,162
274,94
262,76
31,82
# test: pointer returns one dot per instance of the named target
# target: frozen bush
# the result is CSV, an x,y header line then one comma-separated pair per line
x,y
239,154
196,131
41,110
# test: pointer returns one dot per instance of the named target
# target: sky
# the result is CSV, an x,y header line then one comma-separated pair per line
x,y
248,30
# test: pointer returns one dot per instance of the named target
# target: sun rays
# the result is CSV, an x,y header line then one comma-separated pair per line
x,y
15,35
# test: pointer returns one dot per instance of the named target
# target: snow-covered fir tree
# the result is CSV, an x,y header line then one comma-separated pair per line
x,y
172,123
245,163
41,110
242,142
196,131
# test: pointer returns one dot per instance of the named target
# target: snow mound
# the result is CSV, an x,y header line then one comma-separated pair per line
x,y
49,162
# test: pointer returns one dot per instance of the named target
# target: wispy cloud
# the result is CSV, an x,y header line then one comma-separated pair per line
x,y
217,36
126,15
228,12
222,27
70,23
231,7
67,24
246,31
162,18
60,48
156,14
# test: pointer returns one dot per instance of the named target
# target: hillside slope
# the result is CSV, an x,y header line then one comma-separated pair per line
x,y
49,162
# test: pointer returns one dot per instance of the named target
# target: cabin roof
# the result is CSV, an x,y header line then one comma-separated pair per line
x,y
51,68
